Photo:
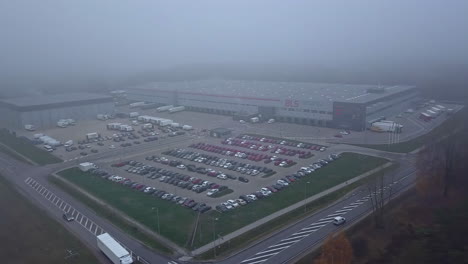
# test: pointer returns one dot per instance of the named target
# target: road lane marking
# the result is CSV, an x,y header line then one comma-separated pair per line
x,y
281,244
344,210
259,257
315,228
296,237
276,249
334,215
86,222
303,232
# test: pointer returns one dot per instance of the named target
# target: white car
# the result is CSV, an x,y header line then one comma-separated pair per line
x,y
233,203
339,220
242,121
282,183
212,191
181,166
251,196
228,206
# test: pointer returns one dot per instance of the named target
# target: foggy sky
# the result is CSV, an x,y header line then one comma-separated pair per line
x,y
95,36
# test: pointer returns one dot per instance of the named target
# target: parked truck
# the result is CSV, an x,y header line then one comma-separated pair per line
x,y
164,108
187,127
386,126
113,250
176,109
29,127
165,122
92,135
137,104
133,114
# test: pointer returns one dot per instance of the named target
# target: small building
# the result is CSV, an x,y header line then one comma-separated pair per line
x,y
220,132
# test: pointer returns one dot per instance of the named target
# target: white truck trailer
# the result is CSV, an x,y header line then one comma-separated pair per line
x,y
113,250
166,122
86,166
133,114
92,135
176,109
386,126
137,104
164,108
29,127
187,127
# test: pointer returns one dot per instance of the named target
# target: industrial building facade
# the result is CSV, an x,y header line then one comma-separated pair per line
x,y
330,105
45,111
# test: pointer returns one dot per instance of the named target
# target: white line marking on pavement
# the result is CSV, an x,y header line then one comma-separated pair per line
x,y
352,207
337,214
276,249
86,222
357,203
315,228
260,257
296,237
303,232
344,210
258,261
282,244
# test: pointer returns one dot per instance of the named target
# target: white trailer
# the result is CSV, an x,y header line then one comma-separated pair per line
x,y
102,117
92,135
176,109
133,114
175,125
165,122
388,126
187,127
29,127
113,250
164,108
62,124
147,126
136,104
68,143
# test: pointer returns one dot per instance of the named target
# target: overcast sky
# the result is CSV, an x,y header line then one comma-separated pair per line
x,y
93,36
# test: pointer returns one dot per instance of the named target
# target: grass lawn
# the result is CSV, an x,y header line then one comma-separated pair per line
x,y
177,223
286,219
29,235
447,127
28,150
348,166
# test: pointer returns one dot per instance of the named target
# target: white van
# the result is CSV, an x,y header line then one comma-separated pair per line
x,y
339,220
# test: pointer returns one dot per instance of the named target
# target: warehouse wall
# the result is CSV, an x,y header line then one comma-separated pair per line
x,y
49,117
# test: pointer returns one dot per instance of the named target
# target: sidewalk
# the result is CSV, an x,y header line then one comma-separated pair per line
x,y
264,220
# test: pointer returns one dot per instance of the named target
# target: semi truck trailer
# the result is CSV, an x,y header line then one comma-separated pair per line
x,y
113,250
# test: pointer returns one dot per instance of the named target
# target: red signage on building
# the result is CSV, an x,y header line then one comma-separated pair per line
x,y
291,103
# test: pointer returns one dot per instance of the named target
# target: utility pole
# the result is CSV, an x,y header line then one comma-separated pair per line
x,y
214,236
157,217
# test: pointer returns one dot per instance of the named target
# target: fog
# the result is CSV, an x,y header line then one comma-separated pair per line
x,y
47,41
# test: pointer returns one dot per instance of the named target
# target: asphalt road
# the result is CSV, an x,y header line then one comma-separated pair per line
x,y
278,248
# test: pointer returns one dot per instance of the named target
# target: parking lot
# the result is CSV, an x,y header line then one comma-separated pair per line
x,y
202,169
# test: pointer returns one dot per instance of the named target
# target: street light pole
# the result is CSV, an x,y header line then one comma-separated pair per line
x,y
214,236
305,196
157,217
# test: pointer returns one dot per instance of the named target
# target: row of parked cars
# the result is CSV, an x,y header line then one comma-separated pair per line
x,y
241,167
271,148
242,154
183,201
276,186
170,177
190,167
284,142
249,198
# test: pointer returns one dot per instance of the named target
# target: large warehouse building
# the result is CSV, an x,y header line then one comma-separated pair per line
x,y
44,111
332,105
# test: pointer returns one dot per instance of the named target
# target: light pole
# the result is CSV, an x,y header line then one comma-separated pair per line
x,y
214,236
305,196
157,217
